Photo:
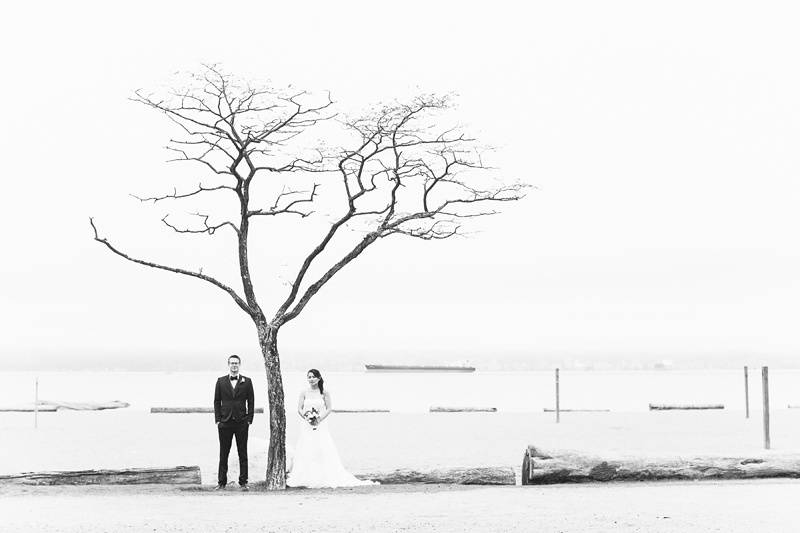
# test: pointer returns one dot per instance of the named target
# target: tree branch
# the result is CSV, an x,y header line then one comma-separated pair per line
x,y
288,208
206,227
176,196
199,275
317,285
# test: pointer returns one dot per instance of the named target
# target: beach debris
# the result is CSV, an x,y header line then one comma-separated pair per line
x,y
551,410
684,407
29,408
542,468
418,368
463,409
361,411
178,475
84,406
45,406
451,476
184,410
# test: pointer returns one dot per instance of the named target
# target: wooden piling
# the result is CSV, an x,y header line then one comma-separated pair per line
x,y
765,393
558,399
36,403
746,394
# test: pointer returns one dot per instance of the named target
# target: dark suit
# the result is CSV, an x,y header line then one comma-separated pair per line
x,y
233,412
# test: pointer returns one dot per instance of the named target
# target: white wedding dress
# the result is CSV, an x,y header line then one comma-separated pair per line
x,y
316,462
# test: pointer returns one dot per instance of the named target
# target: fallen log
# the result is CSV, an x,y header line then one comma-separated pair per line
x,y
451,476
463,409
551,410
540,468
84,406
684,407
178,475
361,411
27,409
191,410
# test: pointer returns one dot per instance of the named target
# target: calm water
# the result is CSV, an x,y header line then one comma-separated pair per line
x,y
626,391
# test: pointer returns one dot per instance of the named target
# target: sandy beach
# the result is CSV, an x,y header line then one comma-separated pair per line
x,y
731,507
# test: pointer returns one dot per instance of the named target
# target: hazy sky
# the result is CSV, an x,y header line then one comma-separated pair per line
x,y
661,137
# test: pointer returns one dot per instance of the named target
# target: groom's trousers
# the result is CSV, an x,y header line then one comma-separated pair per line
x,y
228,430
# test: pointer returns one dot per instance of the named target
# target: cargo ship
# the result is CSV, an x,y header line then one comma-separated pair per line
x,y
419,368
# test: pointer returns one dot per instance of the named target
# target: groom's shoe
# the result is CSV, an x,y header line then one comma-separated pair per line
x,y
219,487
244,488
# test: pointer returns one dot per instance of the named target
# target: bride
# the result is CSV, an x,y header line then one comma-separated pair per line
x,y
316,461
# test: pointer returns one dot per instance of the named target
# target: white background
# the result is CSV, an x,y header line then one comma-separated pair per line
x,y
661,139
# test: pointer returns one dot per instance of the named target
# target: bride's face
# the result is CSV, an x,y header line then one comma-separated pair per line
x,y
312,379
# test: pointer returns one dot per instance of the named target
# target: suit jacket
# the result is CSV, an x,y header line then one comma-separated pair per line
x,y
234,404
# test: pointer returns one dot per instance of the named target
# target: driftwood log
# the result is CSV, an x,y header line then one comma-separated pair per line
x,y
191,410
463,409
51,406
361,411
178,475
84,406
540,468
457,476
684,407
27,409
551,410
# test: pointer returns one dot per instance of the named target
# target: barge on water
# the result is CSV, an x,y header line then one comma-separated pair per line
x,y
419,368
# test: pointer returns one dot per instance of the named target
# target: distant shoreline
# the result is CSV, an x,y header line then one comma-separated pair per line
x,y
257,368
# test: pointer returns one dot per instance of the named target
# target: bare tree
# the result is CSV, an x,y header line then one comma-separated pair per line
x,y
398,174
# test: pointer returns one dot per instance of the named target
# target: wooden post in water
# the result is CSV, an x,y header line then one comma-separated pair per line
x,y
765,392
36,403
558,400
746,394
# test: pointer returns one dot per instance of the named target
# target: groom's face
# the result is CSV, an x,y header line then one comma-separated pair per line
x,y
233,366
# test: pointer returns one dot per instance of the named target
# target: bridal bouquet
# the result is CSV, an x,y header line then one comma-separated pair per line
x,y
312,417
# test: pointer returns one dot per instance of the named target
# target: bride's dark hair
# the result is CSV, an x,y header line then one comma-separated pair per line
x,y
321,383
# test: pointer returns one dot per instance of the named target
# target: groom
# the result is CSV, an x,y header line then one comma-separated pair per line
x,y
233,413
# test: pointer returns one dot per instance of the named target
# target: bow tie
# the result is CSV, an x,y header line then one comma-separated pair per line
x,y
234,378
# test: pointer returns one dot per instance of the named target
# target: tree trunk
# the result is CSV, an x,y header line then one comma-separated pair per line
x,y
276,454
539,468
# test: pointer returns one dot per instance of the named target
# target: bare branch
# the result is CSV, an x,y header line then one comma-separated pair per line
x,y
394,158
202,158
437,231
290,207
206,227
282,318
199,275
176,196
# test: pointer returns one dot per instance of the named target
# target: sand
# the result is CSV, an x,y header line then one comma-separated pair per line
x,y
731,507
